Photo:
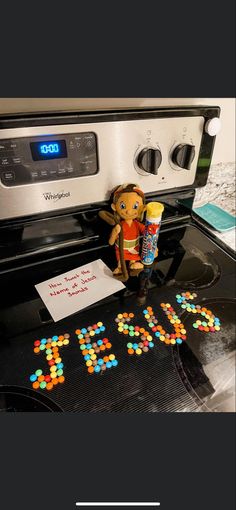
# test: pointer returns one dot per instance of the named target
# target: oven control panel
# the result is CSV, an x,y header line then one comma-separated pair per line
x,y
52,163
30,160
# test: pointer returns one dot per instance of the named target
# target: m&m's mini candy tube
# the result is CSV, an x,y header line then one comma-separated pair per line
x,y
151,232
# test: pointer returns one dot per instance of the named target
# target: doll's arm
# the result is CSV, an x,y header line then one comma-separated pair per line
x,y
114,234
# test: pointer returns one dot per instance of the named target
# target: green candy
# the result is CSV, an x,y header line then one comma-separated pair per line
x,y
43,385
82,347
131,333
131,328
195,325
49,351
129,345
42,347
38,372
59,372
151,324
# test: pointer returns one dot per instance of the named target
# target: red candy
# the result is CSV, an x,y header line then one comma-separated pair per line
x,y
37,343
105,340
47,378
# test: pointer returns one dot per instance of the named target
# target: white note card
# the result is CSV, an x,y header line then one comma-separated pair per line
x,y
72,291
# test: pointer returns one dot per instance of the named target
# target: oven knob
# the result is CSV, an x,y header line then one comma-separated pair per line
x,y
213,126
149,160
183,155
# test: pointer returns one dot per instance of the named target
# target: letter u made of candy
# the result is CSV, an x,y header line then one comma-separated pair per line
x,y
151,233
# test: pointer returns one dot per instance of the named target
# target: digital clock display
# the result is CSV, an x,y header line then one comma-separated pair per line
x,y
53,149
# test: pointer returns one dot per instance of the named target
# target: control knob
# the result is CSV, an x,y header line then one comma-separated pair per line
x,y
149,160
183,155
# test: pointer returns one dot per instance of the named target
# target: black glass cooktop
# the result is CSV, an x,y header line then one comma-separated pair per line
x,y
168,377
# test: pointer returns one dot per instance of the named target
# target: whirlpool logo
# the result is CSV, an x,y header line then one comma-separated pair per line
x,y
56,196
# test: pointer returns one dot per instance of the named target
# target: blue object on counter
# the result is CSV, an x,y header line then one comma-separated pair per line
x,y
215,216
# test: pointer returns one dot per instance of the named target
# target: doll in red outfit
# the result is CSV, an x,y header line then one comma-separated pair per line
x,y
128,206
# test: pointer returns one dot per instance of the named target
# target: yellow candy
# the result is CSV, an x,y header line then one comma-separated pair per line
x,y
162,338
207,316
217,328
120,324
59,343
120,329
198,323
92,333
183,331
53,368
136,333
93,357
58,360
66,341
53,375
172,341
138,351
49,357
147,316
91,351
111,357
120,316
167,305
89,363
149,338
177,321
100,324
54,344
172,321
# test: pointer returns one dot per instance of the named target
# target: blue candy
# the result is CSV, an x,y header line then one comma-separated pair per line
x,y
135,346
43,341
97,331
151,344
178,340
108,364
33,378
88,346
60,365
55,338
157,333
87,357
102,328
83,330
100,361
99,342
97,368
114,362
145,312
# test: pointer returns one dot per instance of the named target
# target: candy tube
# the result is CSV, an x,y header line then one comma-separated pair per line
x,y
151,232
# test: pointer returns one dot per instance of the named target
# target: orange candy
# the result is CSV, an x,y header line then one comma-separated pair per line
x,y
130,351
78,331
84,352
61,379
102,347
35,385
126,331
125,315
49,386
141,330
90,370
61,337
106,359
131,315
40,378
55,381
36,350
108,345
81,341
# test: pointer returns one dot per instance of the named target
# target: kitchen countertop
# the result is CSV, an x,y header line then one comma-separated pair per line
x,y
220,190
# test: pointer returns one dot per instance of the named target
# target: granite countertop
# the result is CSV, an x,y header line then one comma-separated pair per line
x,y
220,190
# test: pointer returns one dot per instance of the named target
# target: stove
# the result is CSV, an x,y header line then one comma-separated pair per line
x,y
56,174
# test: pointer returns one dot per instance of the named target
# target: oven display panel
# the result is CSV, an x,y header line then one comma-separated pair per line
x,y
46,158
54,149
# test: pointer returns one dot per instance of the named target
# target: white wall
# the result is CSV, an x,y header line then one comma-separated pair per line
x,y
225,143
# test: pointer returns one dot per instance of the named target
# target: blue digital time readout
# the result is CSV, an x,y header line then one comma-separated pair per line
x,y
51,149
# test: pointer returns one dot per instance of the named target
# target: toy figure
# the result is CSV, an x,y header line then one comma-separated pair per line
x,y
128,204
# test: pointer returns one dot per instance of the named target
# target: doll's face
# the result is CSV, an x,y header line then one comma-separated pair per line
x,y
129,205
